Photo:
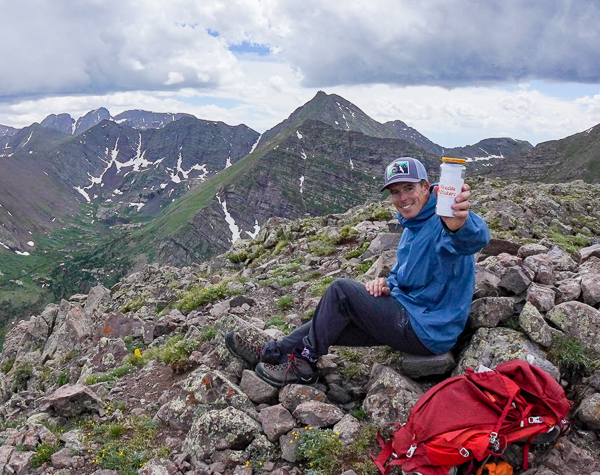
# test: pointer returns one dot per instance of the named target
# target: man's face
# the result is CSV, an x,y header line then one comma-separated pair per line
x,y
409,198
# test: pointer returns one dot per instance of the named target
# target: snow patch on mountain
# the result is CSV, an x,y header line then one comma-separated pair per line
x,y
235,230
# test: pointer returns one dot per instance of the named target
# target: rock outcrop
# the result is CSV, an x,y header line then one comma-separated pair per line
x,y
137,378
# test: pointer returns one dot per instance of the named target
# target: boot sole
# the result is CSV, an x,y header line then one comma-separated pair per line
x,y
279,384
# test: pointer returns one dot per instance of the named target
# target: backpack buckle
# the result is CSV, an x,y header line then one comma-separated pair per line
x,y
464,452
494,438
535,420
411,451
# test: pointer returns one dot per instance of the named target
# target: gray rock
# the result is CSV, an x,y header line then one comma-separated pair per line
x,y
318,414
534,325
531,249
541,265
489,311
391,396
292,395
72,400
570,289
337,394
568,459
383,265
589,411
578,320
20,463
493,346
276,421
515,280
98,300
382,242
499,264
415,366
590,288
586,252
562,260
289,444
541,297
5,453
222,429
62,459
486,283
347,429
158,467
256,389
73,440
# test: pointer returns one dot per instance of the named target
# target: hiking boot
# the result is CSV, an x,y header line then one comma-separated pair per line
x,y
297,370
243,349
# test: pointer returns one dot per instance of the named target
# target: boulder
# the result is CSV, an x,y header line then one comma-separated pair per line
x,y
220,429
276,421
531,249
569,289
590,288
489,311
390,397
541,265
292,395
256,389
486,283
348,428
541,297
382,242
516,280
578,320
493,346
73,400
589,411
586,252
562,260
318,414
532,322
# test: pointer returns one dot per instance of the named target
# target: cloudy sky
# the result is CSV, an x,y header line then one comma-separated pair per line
x,y
456,70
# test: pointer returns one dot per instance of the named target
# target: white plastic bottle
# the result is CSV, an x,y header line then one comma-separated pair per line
x,y
452,178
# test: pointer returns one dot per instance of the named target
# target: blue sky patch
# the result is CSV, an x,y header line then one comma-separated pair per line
x,y
252,48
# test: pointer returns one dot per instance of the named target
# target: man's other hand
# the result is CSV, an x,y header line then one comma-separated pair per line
x,y
378,287
461,209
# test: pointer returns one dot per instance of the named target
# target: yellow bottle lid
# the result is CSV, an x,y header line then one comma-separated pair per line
x,y
453,160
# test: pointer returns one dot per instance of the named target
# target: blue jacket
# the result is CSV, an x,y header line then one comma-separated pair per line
x,y
434,278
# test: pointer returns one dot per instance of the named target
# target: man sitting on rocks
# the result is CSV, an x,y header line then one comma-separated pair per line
x,y
420,309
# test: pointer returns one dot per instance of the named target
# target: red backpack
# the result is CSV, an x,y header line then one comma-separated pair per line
x,y
473,416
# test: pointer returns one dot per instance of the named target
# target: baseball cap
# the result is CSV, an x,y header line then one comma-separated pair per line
x,y
404,169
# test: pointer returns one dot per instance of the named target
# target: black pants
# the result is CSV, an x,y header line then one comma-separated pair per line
x,y
348,315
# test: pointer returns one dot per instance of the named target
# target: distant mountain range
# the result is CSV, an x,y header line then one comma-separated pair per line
x,y
83,201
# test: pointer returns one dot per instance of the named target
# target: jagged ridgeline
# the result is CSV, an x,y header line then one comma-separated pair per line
x,y
87,201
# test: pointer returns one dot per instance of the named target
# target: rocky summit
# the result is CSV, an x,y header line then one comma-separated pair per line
x,y
137,378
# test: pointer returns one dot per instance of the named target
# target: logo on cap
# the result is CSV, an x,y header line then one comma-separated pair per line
x,y
398,169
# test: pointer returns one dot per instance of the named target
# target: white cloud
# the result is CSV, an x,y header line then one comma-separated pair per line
x,y
456,70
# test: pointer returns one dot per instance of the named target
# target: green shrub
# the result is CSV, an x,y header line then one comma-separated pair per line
x,y
63,378
364,266
285,302
277,321
320,450
199,295
571,357
318,288
22,372
43,454
8,364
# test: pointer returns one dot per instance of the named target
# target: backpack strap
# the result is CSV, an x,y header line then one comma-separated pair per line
x,y
387,451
